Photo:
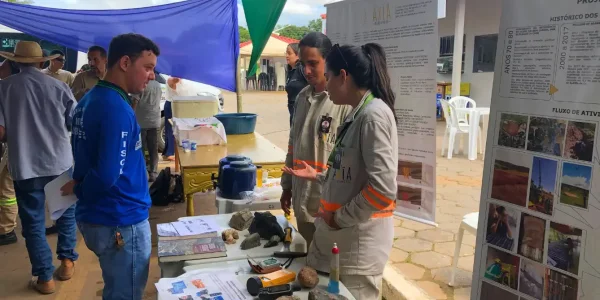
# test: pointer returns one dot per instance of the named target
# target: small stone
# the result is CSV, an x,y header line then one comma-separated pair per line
x,y
241,220
308,277
230,236
319,294
251,241
288,298
273,241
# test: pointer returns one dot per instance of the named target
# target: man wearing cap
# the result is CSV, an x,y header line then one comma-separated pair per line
x,y
55,69
34,112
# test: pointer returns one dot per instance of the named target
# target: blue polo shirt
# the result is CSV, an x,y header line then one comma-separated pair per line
x,y
112,186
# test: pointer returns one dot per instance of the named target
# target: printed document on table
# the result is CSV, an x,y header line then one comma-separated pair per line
x,y
57,203
195,227
202,286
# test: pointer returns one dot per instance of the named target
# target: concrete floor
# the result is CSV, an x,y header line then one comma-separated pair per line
x,y
273,124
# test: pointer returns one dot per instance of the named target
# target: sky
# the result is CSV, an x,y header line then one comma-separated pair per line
x,y
295,12
577,175
548,171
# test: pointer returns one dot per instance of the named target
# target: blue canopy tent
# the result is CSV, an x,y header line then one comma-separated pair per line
x,y
198,39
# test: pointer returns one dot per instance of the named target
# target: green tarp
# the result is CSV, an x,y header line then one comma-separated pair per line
x,y
261,17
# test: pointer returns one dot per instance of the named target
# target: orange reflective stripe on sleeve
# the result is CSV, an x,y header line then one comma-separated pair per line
x,y
376,199
314,164
383,213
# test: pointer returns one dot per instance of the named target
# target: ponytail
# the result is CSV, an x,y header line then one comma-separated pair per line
x,y
379,83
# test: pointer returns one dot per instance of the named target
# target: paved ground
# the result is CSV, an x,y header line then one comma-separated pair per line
x,y
421,253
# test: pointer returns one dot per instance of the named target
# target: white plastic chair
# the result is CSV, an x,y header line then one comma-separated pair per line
x,y
469,223
462,102
453,127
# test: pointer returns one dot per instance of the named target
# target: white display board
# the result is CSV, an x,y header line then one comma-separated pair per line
x,y
539,223
407,29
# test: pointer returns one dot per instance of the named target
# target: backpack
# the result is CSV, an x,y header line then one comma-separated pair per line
x,y
159,190
166,188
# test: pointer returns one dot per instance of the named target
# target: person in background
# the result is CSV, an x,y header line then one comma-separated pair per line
x,y
85,67
295,80
175,87
148,117
55,69
8,201
109,177
86,80
37,107
359,185
312,134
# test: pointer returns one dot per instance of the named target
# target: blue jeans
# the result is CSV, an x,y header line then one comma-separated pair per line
x,y
31,202
125,267
169,137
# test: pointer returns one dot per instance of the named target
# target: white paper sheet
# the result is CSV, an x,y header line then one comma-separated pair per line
x,y
202,286
195,227
57,203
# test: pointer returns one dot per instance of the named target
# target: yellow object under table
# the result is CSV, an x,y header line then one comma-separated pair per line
x,y
198,167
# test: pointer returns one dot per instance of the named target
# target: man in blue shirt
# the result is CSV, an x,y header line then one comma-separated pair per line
x,y
109,177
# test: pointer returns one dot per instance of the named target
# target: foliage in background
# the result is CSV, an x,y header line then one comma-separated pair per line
x,y
19,1
244,34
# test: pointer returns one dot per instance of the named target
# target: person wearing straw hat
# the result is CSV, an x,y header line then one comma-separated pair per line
x,y
35,113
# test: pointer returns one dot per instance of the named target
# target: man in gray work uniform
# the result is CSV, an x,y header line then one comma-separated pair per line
x,y
147,113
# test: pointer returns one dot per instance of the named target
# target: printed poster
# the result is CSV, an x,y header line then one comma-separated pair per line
x,y
539,223
407,30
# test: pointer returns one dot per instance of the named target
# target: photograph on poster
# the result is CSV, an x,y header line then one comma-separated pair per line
x,y
502,226
511,177
559,286
408,194
564,247
512,131
575,184
415,173
546,135
543,184
531,237
531,279
580,141
502,267
492,292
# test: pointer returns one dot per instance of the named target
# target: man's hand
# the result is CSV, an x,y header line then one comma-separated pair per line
x,y
286,201
329,219
67,189
307,172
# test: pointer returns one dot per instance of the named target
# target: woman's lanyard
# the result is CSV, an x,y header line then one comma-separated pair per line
x,y
340,137
107,85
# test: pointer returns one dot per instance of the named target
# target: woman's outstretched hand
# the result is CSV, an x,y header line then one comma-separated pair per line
x,y
307,172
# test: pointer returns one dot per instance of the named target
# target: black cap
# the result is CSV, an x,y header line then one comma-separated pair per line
x,y
253,285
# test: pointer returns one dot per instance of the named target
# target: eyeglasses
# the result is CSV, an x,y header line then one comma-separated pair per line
x,y
339,51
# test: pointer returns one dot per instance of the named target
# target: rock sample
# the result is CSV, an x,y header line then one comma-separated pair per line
x,y
266,225
241,220
230,236
273,241
252,241
288,298
308,277
320,294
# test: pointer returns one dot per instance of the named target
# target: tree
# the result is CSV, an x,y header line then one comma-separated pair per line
x,y
244,34
294,32
316,25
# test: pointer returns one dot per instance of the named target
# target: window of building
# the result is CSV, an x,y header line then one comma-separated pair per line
x,y
484,54
447,45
